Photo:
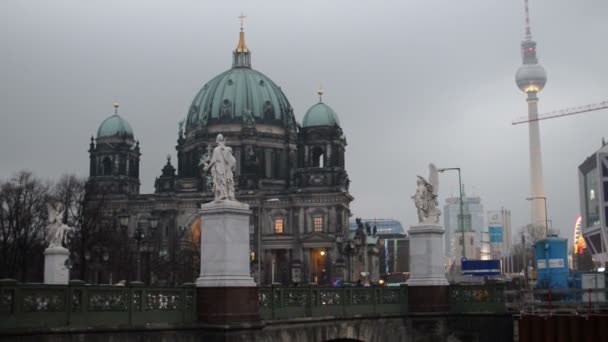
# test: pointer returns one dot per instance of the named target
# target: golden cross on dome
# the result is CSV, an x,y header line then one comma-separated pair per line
x,y
242,18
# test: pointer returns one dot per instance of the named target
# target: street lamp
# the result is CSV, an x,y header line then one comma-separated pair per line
x,y
544,198
138,236
123,220
260,238
461,222
153,222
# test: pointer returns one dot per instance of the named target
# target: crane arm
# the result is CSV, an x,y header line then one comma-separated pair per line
x,y
565,112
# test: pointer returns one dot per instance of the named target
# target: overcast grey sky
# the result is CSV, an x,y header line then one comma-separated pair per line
x,y
412,81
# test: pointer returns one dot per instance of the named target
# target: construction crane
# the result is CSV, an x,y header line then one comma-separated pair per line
x,y
564,112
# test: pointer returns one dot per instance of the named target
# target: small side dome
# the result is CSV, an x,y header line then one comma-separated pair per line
x,y
115,126
320,115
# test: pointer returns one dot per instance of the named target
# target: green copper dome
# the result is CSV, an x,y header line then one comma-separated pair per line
x,y
241,95
320,115
233,93
115,126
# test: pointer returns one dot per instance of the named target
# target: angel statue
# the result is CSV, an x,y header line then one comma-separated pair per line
x,y
425,198
56,230
222,165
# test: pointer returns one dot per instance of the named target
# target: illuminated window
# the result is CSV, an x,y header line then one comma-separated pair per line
x,y
318,223
278,225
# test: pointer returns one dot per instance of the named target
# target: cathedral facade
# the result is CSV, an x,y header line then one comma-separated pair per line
x,y
292,175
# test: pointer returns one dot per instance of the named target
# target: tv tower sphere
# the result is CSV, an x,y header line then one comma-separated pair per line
x,y
531,78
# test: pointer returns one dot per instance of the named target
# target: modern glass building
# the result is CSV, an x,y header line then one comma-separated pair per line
x,y
384,227
394,242
474,228
593,192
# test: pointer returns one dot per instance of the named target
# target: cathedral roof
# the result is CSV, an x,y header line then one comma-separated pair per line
x,y
115,126
240,94
320,115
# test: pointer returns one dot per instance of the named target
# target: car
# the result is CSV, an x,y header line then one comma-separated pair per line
x,y
396,278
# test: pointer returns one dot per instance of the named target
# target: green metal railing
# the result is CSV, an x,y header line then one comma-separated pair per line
x,y
80,305
278,303
477,299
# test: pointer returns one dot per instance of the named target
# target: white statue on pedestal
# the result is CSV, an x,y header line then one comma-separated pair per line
x,y
224,226
56,257
426,237
222,165
56,230
425,198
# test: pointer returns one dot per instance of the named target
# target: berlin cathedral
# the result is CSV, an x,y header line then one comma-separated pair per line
x,y
291,174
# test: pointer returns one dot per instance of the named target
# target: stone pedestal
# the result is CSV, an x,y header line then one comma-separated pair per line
x,y
427,255
55,268
226,292
224,305
224,245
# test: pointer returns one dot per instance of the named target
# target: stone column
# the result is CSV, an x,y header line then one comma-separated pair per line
x,y
427,286
55,268
226,291
306,264
267,266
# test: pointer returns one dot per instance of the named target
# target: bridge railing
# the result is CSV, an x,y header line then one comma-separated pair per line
x,y
278,303
558,301
82,305
477,299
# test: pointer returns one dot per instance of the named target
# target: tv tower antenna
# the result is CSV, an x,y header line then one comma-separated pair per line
x,y
528,30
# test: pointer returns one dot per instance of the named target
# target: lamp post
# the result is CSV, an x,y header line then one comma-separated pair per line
x,y
461,221
260,239
138,236
123,220
544,198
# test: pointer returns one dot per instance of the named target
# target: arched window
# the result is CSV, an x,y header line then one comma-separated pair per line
x,y
317,157
107,166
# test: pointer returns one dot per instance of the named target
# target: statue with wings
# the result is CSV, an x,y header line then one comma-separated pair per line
x,y
56,229
425,198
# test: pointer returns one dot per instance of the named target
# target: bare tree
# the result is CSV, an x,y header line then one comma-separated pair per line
x,y
534,233
90,220
23,219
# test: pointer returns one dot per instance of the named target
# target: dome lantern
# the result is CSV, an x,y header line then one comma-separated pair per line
x,y
320,115
115,126
241,57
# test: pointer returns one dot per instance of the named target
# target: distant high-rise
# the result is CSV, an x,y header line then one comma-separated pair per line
x,y
499,227
473,222
531,78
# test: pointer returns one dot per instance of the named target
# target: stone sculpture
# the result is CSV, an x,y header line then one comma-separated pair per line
x,y
56,230
222,165
425,198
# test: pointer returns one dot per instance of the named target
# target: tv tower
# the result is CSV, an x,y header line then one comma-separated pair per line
x,y
531,78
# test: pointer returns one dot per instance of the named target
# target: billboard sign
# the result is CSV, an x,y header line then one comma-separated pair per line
x,y
481,268
495,234
495,226
494,218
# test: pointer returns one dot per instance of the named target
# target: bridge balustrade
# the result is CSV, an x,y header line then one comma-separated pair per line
x,y
278,303
477,299
81,305
575,301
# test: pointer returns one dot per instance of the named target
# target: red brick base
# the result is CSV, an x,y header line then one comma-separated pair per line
x,y
428,299
219,305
